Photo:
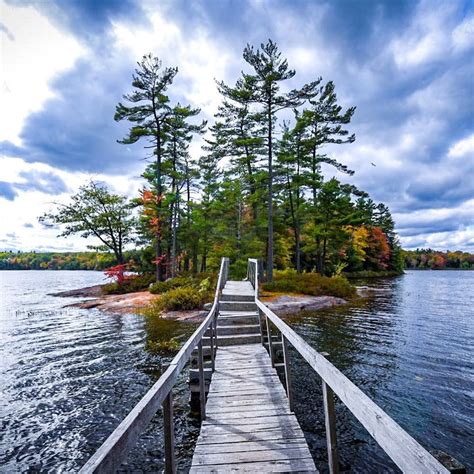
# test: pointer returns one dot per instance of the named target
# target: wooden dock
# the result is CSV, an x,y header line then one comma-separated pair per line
x,y
247,419
249,426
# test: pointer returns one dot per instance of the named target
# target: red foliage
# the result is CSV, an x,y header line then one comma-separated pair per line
x,y
439,261
117,273
378,251
160,260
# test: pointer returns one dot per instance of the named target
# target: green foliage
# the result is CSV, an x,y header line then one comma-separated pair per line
x,y
95,212
58,260
130,285
182,298
310,284
203,281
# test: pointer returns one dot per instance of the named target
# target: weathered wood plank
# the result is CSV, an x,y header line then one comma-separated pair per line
x,y
238,420
249,413
281,454
293,465
248,410
249,446
243,437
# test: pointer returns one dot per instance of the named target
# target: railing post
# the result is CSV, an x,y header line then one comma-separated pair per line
x,y
330,421
170,460
269,336
202,382
214,323
261,326
211,327
286,360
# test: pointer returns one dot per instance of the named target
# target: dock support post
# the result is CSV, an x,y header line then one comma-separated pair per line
x,y
269,336
170,460
286,360
202,382
330,421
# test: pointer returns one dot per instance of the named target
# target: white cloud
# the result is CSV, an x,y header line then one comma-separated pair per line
x,y
463,34
457,240
432,34
462,148
28,206
33,53
200,59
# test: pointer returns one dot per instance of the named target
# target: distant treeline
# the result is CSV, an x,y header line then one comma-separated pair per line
x,y
420,258
56,260
435,260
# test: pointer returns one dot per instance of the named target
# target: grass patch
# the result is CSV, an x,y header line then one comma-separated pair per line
x,y
310,284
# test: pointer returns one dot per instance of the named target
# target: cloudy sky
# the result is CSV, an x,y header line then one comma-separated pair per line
x,y
408,66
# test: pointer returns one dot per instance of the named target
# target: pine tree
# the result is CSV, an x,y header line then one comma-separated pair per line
x,y
269,71
148,113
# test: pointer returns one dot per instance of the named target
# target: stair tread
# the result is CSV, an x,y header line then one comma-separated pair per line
x,y
232,326
229,314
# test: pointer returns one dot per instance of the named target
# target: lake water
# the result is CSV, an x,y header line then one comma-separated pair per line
x,y
68,376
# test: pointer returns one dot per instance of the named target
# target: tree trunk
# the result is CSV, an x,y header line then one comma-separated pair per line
x,y
158,250
270,198
298,249
188,216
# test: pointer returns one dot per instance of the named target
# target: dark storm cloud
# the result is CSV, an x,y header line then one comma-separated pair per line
x,y
45,182
88,19
394,60
75,130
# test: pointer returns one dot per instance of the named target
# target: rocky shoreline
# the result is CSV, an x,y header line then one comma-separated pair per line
x,y
132,302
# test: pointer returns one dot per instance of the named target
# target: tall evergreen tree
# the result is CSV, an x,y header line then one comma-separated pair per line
x,y
269,71
148,113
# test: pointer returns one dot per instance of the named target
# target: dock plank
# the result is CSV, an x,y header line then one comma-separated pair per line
x,y
249,426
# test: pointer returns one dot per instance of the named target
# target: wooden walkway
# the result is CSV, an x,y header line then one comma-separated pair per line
x,y
247,423
249,426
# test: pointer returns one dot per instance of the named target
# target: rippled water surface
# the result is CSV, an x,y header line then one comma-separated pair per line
x,y
68,376
410,348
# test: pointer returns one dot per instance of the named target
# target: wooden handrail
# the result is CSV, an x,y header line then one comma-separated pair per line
x,y
111,454
404,450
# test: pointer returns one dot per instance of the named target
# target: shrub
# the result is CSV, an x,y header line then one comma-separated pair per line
x,y
185,280
183,298
310,284
130,284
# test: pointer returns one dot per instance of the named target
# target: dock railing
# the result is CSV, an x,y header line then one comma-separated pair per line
x,y
404,450
114,450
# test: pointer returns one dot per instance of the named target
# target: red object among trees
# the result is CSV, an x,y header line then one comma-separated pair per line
x,y
117,273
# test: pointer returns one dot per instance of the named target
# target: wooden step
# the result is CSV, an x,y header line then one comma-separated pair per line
x,y
238,339
232,329
237,319
237,306
231,295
